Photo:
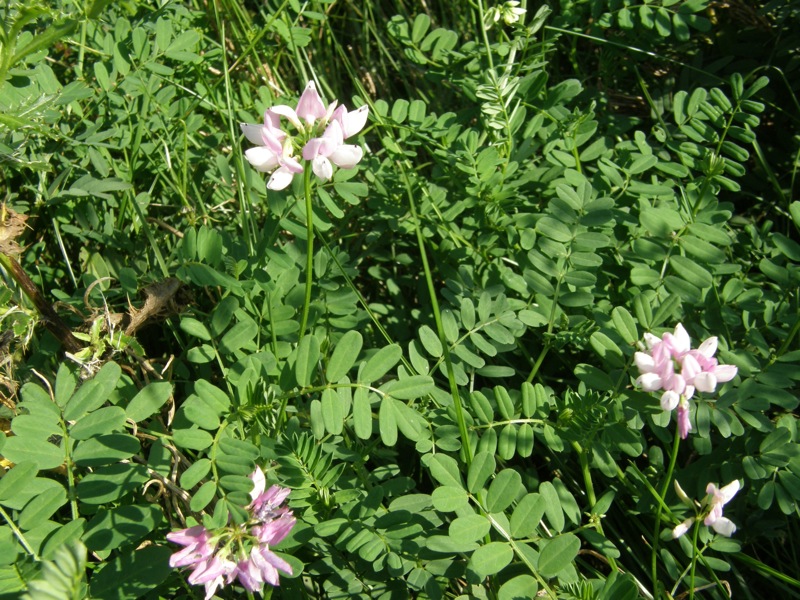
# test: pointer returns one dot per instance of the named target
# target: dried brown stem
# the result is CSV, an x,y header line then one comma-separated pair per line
x,y
49,316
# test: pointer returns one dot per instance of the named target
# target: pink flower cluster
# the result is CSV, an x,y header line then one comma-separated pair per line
x,y
670,364
710,509
320,139
238,551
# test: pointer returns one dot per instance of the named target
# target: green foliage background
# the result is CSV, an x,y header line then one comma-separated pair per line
x,y
460,420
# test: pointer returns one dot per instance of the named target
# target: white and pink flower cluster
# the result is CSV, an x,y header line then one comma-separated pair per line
x,y
320,136
670,364
238,551
710,509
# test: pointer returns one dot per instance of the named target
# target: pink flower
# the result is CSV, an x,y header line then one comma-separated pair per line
x,y
249,576
711,507
710,372
212,573
657,367
269,563
273,153
330,148
217,558
275,149
262,567
265,503
671,365
351,122
274,531
310,106
717,498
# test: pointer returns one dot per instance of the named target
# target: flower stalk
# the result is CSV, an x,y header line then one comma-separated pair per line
x,y
309,249
317,145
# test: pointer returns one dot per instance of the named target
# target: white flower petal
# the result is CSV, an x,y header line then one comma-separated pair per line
x,y
669,400
683,342
253,133
644,362
288,112
649,382
705,382
281,179
724,526
651,340
259,483
725,373
682,528
709,347
262,158
681,494
354,121
322,168
729,491
346,156
690,368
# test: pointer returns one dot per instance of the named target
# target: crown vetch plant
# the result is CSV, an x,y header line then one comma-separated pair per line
x,y
455,383
319,139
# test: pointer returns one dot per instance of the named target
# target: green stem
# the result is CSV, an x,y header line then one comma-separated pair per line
x,y
244,204
583,457
149,234
309,246
538,362
694,558
662,495
485,36
587,476
788,341
81,51
550,324
72,490
437,315
28,548
766,570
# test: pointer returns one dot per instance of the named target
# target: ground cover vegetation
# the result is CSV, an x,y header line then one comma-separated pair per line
x,y
483,300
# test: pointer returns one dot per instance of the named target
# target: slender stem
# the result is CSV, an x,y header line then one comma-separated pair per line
x,y
309,247
550,324
19,535
766,570
587,476
694,558
787,342
244,203
486,44
149,234
50,318
72,490
81,51
583,457
437,315
63,249
538,362
662,495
